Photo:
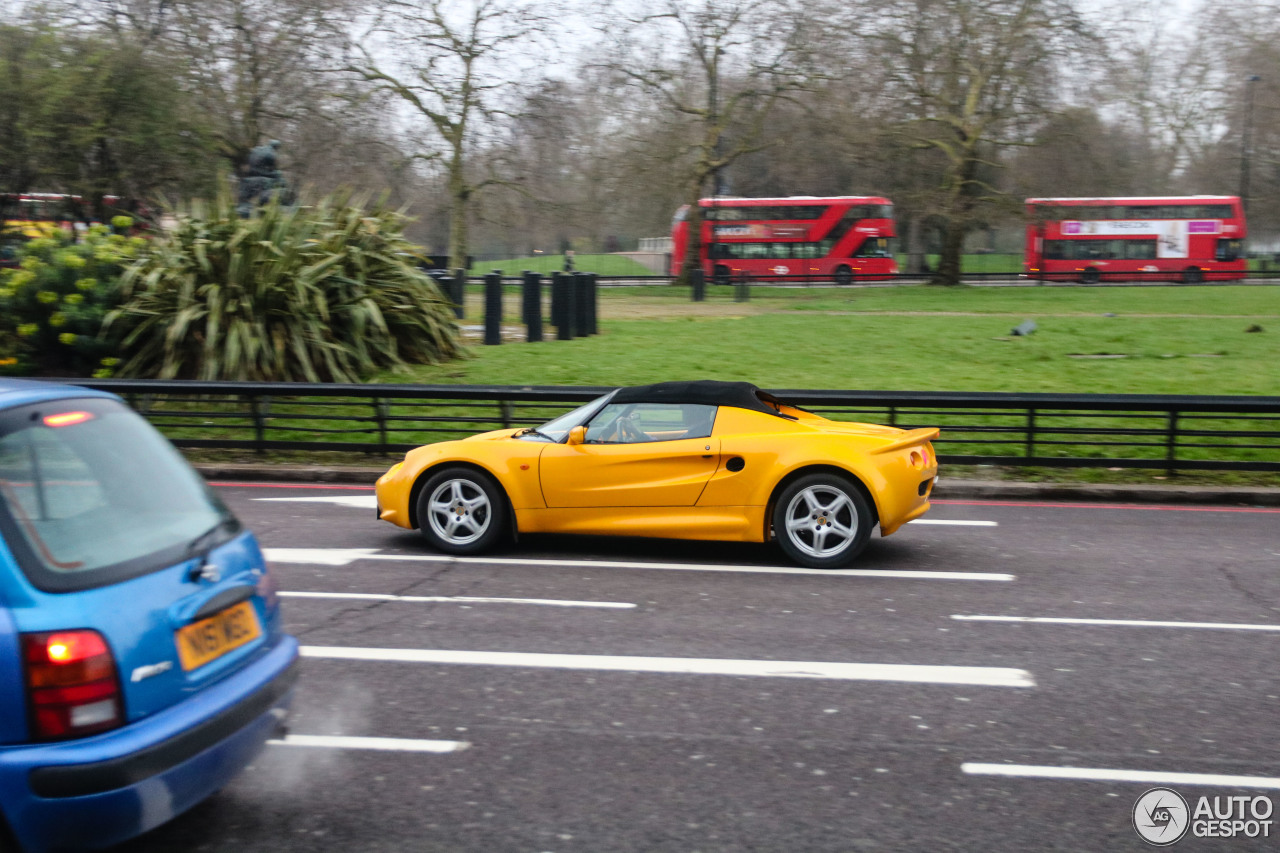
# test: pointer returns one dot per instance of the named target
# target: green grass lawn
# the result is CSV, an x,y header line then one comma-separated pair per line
x,y
609,264
1142,340
545,264
1161,340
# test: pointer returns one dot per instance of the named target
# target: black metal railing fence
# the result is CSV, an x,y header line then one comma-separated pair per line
x,y
1169,432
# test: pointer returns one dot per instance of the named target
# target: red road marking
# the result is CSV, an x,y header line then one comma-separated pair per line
x,y
1146,507
290,486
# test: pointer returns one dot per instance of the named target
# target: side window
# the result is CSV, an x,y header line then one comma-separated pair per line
x,y
639,423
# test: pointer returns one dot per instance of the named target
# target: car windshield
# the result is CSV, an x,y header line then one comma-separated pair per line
x,y
91,494
557,429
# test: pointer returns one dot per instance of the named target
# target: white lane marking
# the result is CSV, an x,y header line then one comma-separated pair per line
x,y
1098,774
456,599
986,676
354,501
319,556
949,522
390,744
1123,623
343,556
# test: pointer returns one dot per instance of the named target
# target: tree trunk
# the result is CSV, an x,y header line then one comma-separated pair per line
x,y
460,196
916,256
693,246
958,215
948,272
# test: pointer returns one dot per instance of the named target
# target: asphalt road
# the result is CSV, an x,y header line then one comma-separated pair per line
x,y
762,710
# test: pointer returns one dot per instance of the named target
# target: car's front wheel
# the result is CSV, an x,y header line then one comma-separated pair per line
x,y
822,521
462,511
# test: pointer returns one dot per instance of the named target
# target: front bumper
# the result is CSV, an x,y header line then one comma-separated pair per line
x,y
100,791
393,489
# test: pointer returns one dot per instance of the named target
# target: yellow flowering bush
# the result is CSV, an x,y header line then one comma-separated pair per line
x,y
52,305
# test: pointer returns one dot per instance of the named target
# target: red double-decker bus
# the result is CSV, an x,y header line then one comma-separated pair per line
x,y
1161,238
803,237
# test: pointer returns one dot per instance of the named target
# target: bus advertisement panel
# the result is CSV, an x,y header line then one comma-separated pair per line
x,y
1160,238
805,238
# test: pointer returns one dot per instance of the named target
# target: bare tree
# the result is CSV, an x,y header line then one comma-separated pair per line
x,y
967,76
1164,82
718,67
253,65
452,64
1245,35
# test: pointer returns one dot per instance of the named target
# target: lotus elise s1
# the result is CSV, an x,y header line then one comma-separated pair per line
x,y
681,460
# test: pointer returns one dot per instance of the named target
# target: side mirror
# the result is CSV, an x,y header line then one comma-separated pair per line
x,y
577,435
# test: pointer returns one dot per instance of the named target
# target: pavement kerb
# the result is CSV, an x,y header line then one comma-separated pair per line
x,y
945,490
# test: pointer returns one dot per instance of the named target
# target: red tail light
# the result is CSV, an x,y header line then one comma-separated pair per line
x,y
72,686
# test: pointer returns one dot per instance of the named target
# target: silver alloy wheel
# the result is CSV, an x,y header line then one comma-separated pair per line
x,y
459,511
821,521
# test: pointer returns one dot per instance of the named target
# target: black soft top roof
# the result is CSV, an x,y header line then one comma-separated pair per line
x,y
711,392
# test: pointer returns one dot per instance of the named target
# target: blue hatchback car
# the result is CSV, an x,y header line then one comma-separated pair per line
x,y
142,659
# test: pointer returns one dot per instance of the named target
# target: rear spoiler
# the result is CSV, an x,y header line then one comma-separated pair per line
x,y
909,438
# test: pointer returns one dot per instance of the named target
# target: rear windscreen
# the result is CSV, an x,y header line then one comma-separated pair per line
x,y
91,494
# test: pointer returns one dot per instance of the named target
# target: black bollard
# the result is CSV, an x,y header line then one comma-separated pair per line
x,y
593,299
458,292
741,288
493,308
581,305
698,279
562,305
557,295
532,302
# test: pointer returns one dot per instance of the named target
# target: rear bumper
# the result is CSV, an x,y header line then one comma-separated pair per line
x,y
103,790
906,501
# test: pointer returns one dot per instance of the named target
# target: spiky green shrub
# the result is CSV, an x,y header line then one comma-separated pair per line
x,y
324,293
53,304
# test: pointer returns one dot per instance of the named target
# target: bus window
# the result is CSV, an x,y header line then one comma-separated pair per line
x,y
1227,250
1140,250
875,247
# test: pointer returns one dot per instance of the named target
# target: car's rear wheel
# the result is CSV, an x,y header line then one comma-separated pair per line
x,y
822,521
462,511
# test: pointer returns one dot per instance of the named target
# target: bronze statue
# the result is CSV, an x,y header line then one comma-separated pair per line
x,y
263,181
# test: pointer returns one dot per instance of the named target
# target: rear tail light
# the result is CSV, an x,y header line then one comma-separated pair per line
x,y
72,686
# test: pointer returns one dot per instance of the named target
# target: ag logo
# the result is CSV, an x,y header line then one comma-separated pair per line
x,y
1161,817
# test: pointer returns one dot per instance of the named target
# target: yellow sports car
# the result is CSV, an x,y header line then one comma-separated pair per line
x,y
680,460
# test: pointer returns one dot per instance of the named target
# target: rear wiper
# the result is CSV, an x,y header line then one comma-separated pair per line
x,y
204,539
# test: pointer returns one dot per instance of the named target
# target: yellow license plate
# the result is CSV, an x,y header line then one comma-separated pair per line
x,y
209,639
